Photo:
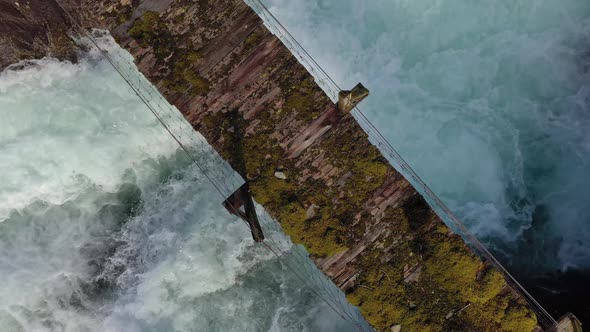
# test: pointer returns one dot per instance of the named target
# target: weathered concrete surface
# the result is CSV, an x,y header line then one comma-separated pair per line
x,y
363,223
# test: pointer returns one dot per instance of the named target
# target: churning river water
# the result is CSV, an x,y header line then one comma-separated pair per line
x,y
489,101
105,225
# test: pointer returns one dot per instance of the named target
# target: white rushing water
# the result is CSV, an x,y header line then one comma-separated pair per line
x,y
487,100
105,225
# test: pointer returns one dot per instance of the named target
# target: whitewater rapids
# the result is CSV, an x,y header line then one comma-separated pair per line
x,y
105,225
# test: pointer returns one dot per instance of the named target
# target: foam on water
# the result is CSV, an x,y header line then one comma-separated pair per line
x,y
107,226
50,135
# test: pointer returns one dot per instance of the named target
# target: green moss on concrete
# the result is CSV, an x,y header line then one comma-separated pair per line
x,y
369,173
517,318
502,313
272,191
124,14
378,294
300,96
184,77
381,294
147,27
455,271
367,167
151,31
321,236
198,85
451,279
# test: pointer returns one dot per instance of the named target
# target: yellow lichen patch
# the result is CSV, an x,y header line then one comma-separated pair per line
x,y
518,318
451,267
368,173
490,285
300,98
455,271
502,313
271,191
319,236
378,297
184,78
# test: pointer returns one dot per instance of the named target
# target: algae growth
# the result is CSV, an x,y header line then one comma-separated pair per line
x,y
455,290
151,31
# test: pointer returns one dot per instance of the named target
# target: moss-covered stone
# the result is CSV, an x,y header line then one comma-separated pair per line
x,y
300,96
453,283
147,27
184,77
501,313
151,31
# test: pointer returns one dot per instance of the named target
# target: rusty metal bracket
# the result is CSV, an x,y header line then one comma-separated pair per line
x,y
240,204
347,100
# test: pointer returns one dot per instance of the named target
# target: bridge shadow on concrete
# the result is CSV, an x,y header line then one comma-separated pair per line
x,y
240,203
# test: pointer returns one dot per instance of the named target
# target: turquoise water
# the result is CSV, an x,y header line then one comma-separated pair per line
x,y
489,102
105,225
